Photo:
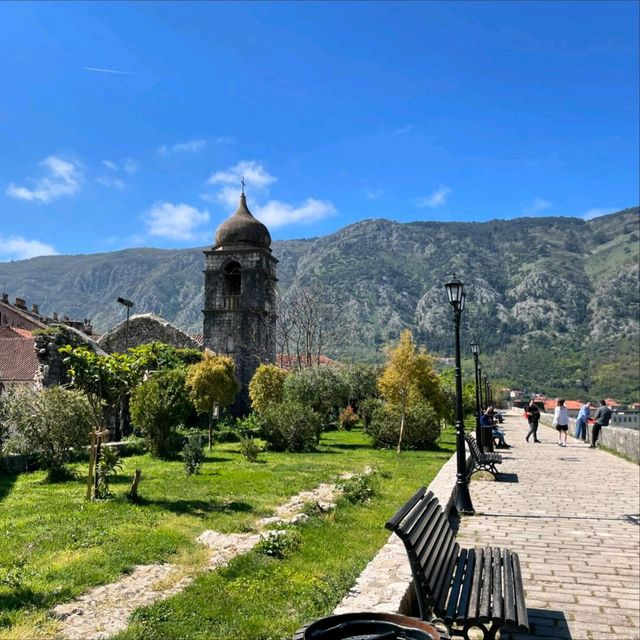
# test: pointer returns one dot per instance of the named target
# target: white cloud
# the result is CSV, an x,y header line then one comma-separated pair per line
x,y
277,214
436,199
111,183
373,194
596,213
402,130
18,248
175,221
129,166
273,213
190,146
62,178
537,206
253,172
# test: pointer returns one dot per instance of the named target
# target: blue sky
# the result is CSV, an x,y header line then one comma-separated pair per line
x,y
127,124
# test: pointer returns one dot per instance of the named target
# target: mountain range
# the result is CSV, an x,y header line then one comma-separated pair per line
x,y
553,301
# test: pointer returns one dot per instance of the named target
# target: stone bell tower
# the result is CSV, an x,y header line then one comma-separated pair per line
x,y
240,297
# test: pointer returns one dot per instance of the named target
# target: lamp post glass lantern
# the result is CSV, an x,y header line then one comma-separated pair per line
x,y
475,350
456,297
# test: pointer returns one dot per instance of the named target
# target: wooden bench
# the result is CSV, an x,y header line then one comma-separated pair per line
x,y
464,588
479,461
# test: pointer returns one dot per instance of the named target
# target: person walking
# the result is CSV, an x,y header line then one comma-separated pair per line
x,y
533,417
561,422
581,421
601,419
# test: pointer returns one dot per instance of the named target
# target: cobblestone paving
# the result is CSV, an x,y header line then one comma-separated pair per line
x,y
572,514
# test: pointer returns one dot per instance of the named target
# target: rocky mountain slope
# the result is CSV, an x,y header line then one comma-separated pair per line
x,y
553,301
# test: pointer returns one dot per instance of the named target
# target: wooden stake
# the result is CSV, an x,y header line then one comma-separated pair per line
x,y
92,458
133,492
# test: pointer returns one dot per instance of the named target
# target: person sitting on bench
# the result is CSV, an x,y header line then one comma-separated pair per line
x,y
487,421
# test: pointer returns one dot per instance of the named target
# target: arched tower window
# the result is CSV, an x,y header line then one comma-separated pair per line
x,y
232,279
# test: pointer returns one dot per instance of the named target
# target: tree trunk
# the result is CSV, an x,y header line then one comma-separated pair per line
x,y
210,428
404,407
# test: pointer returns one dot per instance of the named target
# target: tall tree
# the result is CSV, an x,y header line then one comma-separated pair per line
x,y
212,383
409,377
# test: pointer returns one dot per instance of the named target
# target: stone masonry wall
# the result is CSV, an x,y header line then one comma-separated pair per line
x,y
143,329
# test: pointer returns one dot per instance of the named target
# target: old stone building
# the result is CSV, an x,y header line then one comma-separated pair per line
x,y
240,296
144,328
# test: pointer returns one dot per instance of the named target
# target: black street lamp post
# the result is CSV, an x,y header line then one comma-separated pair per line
x,y
480,388
456,296
128,304
475,350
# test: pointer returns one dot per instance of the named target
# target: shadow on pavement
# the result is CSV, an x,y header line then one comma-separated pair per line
x,y
543,623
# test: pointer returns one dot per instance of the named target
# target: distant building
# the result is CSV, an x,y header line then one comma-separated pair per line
x,y
240,297
291,362
19,315
18,360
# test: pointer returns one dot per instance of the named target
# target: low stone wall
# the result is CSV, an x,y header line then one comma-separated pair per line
x,y
618,439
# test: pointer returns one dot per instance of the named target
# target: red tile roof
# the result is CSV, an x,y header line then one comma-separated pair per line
x,y
18,361
289,362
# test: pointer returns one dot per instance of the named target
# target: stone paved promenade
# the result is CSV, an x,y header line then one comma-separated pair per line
x,y
573,516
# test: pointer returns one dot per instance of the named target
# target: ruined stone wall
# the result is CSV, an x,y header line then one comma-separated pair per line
x,y
51,369
143,329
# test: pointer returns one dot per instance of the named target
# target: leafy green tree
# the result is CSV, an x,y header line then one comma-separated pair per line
x,y
319,388
361,381
408,378
267,386
51,425
158,405
105,379
212,383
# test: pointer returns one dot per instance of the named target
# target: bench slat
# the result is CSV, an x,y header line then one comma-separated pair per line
x,y
434,555
463,606
401,514
456,584
443,582
509,592
496,587
521,608
484,614
474,599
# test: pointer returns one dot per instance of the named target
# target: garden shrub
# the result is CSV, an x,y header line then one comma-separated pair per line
x,y
193,455
267,386
279,543
158,406
319,388
291,426
53,425
359,488
250,449
348,419
107,467
421,431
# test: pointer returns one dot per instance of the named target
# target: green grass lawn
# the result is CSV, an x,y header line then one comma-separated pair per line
x,y
54,545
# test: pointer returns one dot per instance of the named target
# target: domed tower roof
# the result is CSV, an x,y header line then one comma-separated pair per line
x,y
243,228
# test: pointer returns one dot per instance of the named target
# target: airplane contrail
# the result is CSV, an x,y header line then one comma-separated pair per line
x,y
98,69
